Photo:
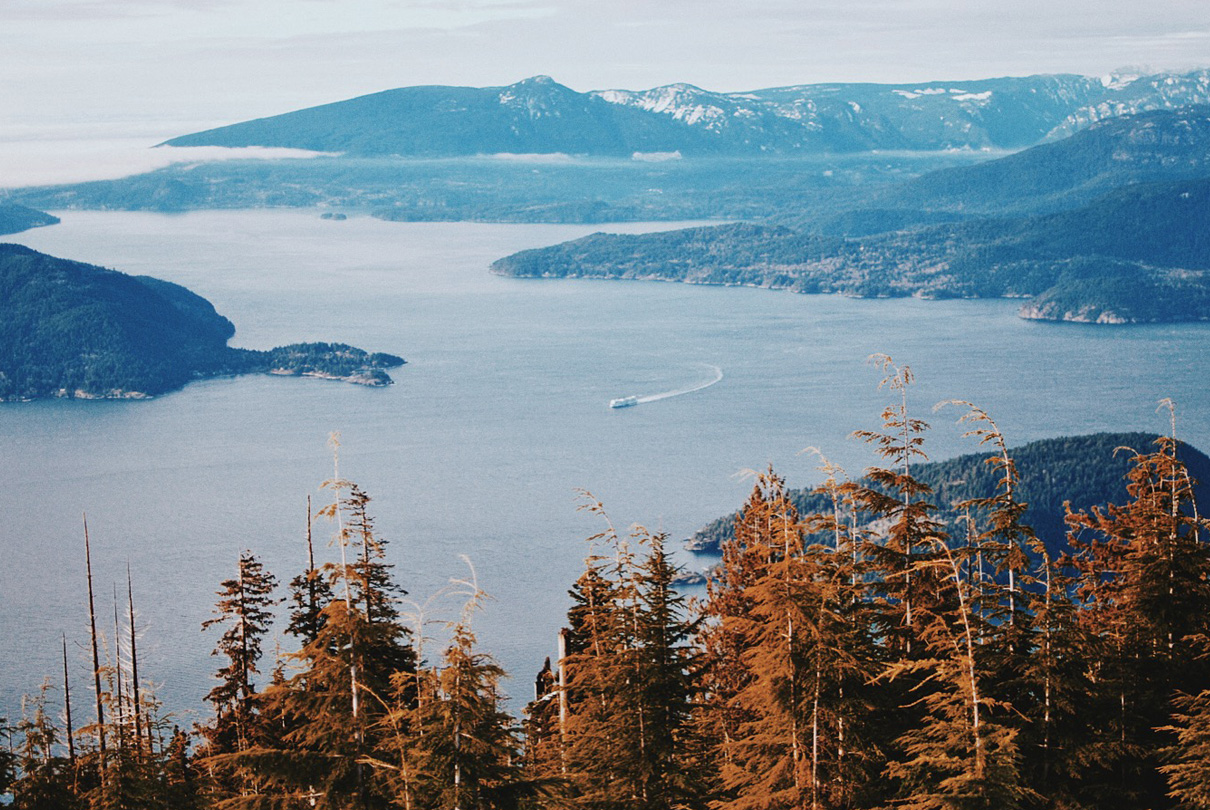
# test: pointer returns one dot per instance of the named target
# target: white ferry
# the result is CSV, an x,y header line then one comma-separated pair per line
x,y
623,402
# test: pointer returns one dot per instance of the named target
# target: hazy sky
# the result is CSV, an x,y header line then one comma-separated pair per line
x,y
113,68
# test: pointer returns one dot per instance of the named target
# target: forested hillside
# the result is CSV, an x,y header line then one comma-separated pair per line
x,y
1145,148
855,654
1138,254
1080,471
69,329
16,218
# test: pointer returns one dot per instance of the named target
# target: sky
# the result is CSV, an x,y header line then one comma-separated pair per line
x,y
125,71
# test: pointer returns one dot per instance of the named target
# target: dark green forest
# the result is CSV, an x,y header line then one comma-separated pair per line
x,y
851,652
1137,254
16,218
70,329
1077,472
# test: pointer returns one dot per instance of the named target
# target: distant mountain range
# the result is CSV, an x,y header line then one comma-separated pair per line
x,y
1139,148
69,329
539,115
1104,220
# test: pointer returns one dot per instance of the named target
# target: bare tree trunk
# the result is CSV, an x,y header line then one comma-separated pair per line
x,y
311,611
117,667
71,743
96,659
134,669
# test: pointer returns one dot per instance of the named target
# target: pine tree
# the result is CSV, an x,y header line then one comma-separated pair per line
x,y
1144,590
327,715
8,757
243,610
844,656
599,729
768,763
45,781
664,690
454,748
958,757
795,691
1057,687
1188,760
626,731
309,593
896,499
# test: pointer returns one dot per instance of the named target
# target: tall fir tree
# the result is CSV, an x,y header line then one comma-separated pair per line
x,y
243,611
1144,590
453,747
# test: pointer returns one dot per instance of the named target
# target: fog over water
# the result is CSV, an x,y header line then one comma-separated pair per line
x,y
499,416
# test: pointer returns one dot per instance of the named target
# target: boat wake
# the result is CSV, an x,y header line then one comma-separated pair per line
x,y
624,402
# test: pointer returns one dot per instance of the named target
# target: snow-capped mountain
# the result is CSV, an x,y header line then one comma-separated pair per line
x,y
539,115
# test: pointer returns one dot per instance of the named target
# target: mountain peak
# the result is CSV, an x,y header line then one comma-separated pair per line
x,y
537,81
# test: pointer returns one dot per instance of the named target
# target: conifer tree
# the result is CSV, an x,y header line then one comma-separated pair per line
x,y
627,736
896,498
454,748
243,610
803,658
8,757
1188,759
1057,687
309,593
844,657
328,714
1144,589
45,781
768,764
600,729
721,639
958,756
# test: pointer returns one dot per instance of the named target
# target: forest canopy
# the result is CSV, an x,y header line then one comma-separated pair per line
x,y
855,652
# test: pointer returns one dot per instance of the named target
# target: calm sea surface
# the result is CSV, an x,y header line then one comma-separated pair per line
x,y
499,416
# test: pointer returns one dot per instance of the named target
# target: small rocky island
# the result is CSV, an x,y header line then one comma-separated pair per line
x,y
70,329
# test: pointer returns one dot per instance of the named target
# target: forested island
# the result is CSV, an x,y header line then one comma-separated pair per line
x,y
854,654
69,329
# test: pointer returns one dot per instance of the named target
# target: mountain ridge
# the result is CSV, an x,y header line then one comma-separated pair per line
x,y
1123,251
540,115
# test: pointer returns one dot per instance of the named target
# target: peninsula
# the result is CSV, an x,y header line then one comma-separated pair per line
x,y
75,330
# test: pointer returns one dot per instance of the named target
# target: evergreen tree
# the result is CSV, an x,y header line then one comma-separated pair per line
x,y
243,610
628,739
1188,768
896,499
721,638
1144,591
327,716
8,758
309,593
45,781
804,659
958,757
454,748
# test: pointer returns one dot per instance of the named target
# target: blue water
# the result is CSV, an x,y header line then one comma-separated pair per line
x,y
500,414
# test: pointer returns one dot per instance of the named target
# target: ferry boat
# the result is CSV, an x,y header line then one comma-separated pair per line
x,y
623,402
